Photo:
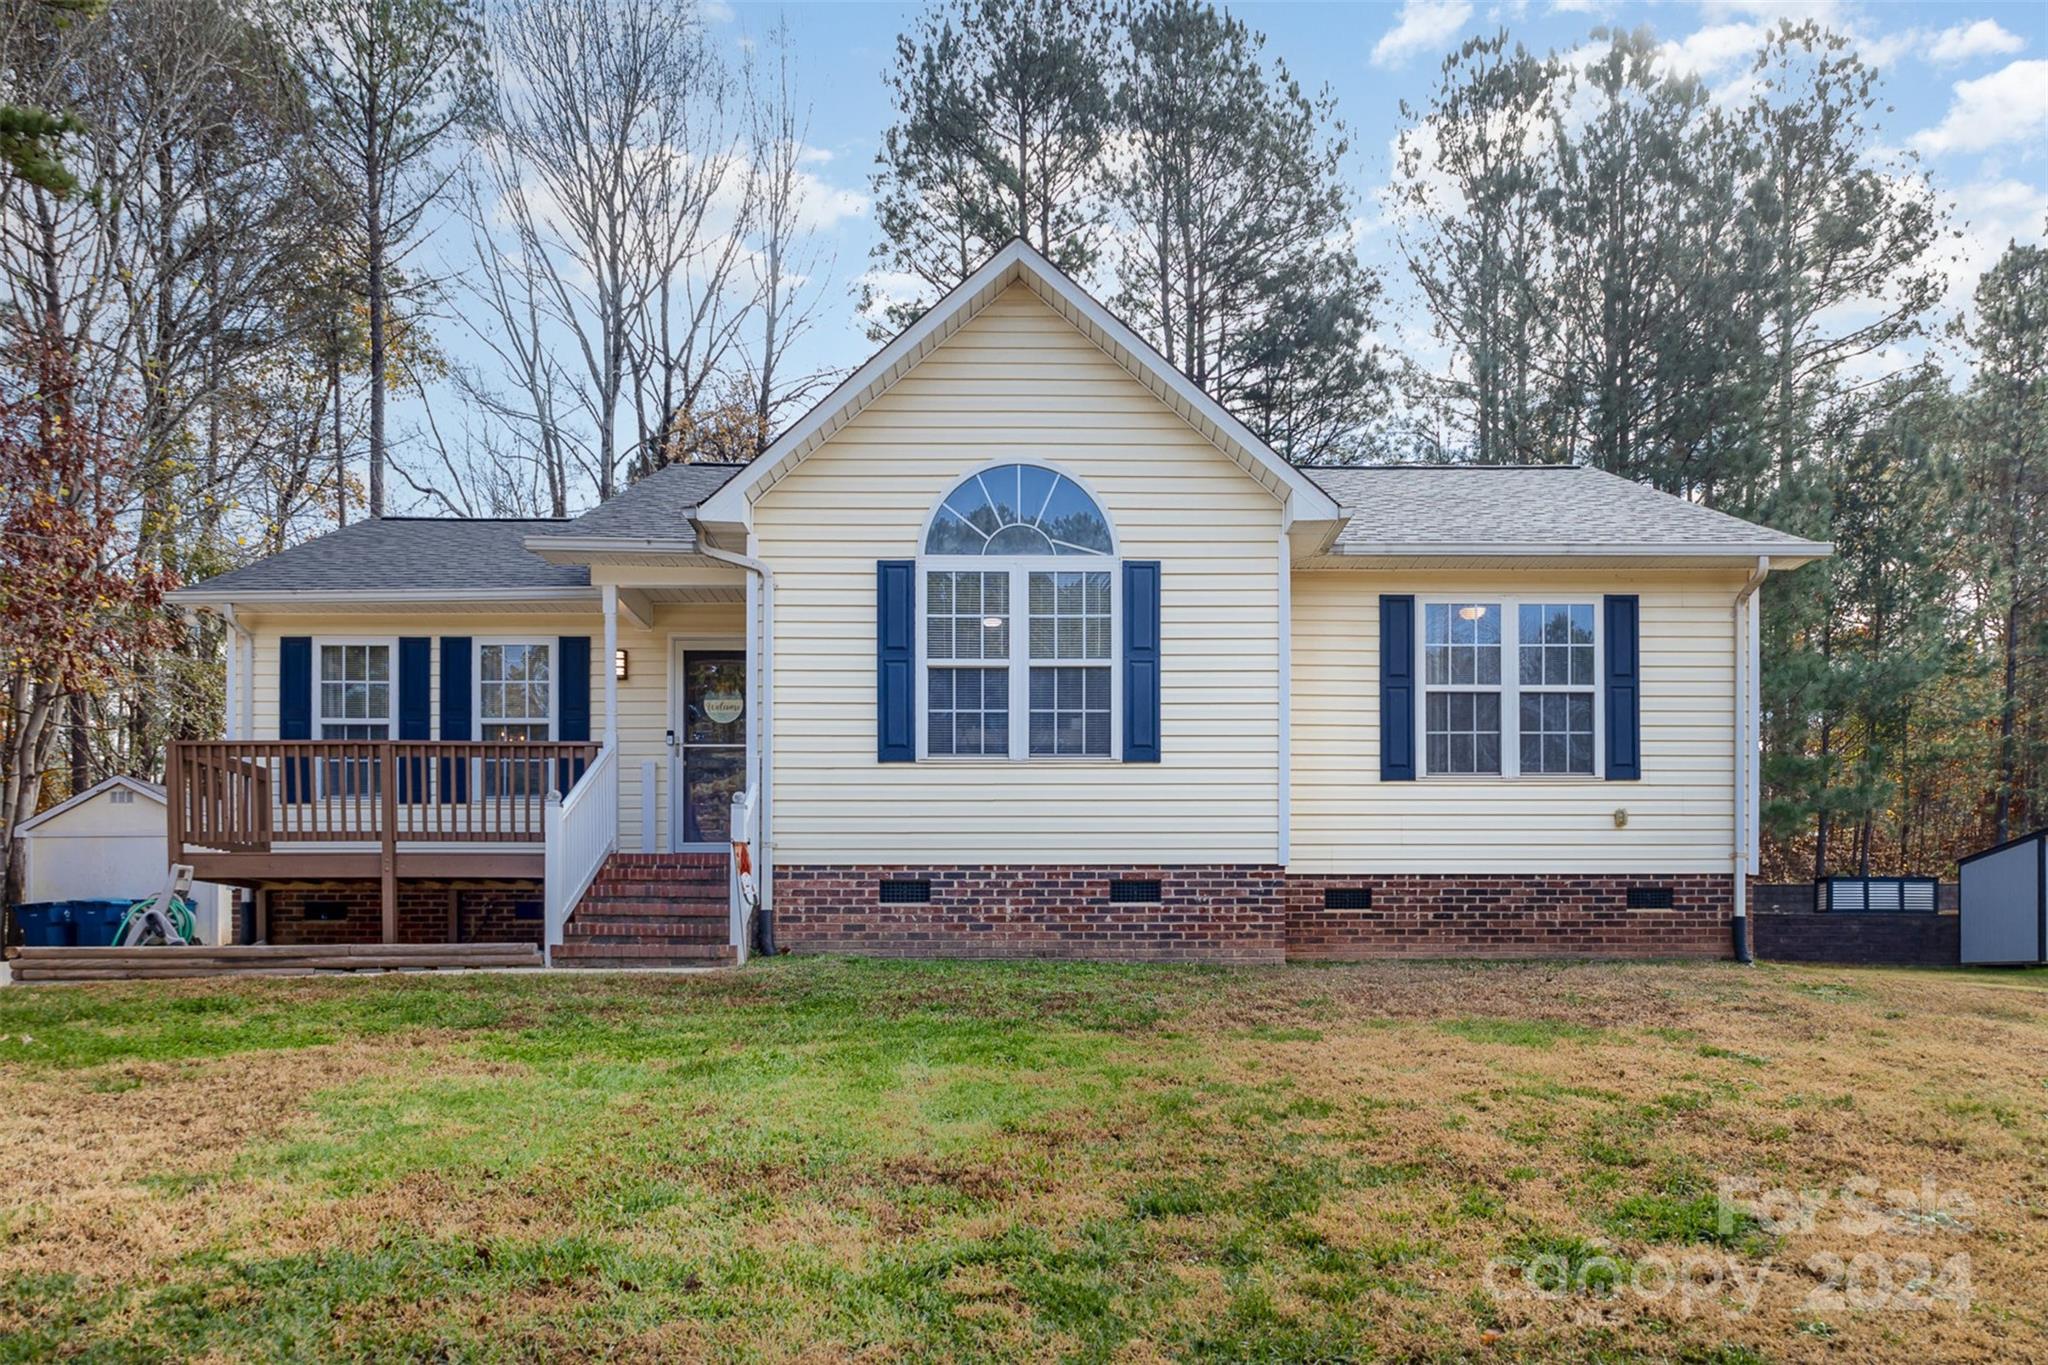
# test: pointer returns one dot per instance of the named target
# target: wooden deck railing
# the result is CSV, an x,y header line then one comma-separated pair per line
x,y
248,796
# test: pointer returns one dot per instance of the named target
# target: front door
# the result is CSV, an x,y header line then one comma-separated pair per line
x,y
711,744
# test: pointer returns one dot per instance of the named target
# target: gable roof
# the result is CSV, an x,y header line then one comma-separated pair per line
x,y
134,784
1547,510
658,505
405,555
655,512
1019,262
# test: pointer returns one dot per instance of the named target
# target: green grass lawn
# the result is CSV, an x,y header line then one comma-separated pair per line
x,y
820,1159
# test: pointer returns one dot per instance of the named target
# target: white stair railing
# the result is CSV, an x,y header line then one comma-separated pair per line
x,y
582,831
744,886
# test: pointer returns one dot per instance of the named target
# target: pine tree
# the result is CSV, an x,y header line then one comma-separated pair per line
x,y
2008,471
1003,110
1237,258
391,80
1475,182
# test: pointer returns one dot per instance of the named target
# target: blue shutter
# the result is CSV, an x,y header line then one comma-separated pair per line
x,y
1397,688
1141,661
572,691
415,709
457,663
1624,690
895,661
295,709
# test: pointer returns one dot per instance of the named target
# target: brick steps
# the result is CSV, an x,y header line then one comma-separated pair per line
x,y
708,893
582,954
647,929
651,910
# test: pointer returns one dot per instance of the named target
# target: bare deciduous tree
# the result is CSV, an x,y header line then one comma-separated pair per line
x,y
606,208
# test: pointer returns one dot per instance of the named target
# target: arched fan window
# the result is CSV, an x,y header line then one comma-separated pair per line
x,y
1018,509
1020,602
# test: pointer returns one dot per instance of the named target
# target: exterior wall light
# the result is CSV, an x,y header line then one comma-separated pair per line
x,y
619,665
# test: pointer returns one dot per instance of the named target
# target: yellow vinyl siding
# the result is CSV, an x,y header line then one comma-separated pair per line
x,y
643,696
1680,815
1019,383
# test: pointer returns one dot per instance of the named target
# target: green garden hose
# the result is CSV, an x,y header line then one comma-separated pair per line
x,y
180,915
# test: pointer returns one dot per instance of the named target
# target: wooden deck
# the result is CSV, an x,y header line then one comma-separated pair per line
x,y
144,964
248,812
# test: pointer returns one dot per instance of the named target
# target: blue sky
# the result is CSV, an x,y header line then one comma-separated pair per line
x,y
1968,83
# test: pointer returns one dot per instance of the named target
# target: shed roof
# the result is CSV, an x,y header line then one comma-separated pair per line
x,y
120,780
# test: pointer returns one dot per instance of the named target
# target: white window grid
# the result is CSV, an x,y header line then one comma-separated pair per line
x,y
351,701
532,721
1013,655
1510,688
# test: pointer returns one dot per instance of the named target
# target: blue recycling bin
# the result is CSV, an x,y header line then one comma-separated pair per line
x,y
97,921
46,924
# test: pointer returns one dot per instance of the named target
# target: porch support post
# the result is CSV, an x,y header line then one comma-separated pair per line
x,y
388,843
610,666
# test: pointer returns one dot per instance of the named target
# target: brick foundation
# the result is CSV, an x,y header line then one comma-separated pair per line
x,y
1510,916
484,912
1222,913
1862,939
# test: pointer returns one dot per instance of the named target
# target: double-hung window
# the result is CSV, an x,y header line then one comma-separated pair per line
x,y
353,700
1509,687
515,702
1018,596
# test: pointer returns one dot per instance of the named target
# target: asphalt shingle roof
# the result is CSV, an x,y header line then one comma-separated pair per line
x,y
409,553
1531,507
656,508
1405,508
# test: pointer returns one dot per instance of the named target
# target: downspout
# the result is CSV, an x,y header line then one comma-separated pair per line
x,y
237,720
1744,634
761,682
1284,844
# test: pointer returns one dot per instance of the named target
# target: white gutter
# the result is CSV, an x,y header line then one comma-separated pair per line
x,y
265,597
240,720
1570,550
1743,621
760,682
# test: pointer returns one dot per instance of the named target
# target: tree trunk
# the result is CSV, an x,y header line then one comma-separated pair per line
x,y
373,210
334,393
2008,715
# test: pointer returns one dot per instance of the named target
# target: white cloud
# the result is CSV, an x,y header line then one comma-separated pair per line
x,y
1961,43
1713,48
1423,24
1828,12
2010,105
1985,38
715,11
1992,215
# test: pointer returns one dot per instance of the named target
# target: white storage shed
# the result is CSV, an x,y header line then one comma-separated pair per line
x,y
109,843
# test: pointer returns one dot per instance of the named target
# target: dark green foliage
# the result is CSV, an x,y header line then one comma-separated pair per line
x,y
1003,112
1054,121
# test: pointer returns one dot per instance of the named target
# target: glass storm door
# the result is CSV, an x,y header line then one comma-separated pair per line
x,y
713,742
